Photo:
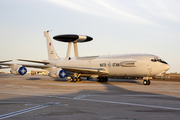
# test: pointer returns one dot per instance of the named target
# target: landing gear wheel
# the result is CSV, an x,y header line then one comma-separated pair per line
x,y
102,79
105,79
148,82
75,79
98,79
72,79
145,82
79,79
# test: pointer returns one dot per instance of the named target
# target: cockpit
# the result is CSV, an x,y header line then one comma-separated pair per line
x,y
158,60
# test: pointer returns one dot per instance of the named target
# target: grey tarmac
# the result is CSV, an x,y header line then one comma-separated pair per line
x,y
41,97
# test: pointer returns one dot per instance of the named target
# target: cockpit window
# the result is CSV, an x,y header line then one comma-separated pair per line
x,y
153,60
158,60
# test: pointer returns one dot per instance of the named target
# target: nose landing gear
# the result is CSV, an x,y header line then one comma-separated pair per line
x,y
146,80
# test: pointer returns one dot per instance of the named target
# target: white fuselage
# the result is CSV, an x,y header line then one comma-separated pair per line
x,y
135,65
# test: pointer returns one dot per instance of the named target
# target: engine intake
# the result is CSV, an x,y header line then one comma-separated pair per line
x,y
18,70
57,73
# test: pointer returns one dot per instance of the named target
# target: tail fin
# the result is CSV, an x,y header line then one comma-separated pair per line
x,y
51,52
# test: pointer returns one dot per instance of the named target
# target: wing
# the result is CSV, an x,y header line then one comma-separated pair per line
x,y
83,70
37,66
28,65
42,62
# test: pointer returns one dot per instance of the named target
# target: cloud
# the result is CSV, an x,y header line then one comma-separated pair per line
x,y
101,8
161,9
126,15
137,11
77,5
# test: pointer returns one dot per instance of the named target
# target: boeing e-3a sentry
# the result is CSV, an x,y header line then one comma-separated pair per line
x,y
100,67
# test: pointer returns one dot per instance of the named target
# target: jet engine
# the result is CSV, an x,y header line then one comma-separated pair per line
x,y
57,73
18,70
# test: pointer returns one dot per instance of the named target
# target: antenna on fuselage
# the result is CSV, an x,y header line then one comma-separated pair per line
x,y
72,38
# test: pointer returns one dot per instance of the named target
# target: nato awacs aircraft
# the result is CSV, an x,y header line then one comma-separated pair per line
x,y
100,67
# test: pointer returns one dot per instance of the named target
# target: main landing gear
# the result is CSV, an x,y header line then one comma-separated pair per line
x,y
76,79
102,79
146,81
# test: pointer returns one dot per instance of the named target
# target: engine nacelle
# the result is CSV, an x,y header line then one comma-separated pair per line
x,y
57,73
18,70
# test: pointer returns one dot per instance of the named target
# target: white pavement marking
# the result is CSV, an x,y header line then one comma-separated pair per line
x,y
79,97
133,104
26,110
136,95
92,100
38,95
15,102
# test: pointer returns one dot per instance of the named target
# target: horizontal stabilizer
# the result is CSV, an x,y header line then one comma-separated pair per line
x,y
42,62
37,66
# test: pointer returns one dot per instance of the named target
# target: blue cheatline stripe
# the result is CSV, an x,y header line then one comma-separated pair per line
x,y
26,110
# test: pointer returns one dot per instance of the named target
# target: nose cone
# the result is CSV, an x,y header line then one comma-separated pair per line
x,y
164,68
167,67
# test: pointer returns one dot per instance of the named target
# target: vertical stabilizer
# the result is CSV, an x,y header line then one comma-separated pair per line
x,y
50,48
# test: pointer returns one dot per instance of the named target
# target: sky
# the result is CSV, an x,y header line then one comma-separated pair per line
x,y
117,27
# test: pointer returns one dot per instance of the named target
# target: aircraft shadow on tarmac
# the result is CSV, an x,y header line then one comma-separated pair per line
x,y
73,110
134,81
120,80
60,80
110,90
34,78
55,79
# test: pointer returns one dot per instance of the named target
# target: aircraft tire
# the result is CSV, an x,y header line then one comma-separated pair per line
x,y
72,79
145,82
98,79
79,79
105,79
101,79
148,82
75,79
